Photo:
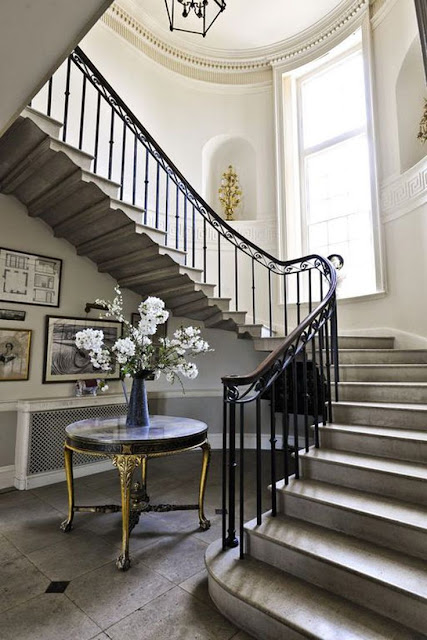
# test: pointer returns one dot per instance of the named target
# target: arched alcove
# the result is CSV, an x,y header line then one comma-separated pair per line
x,y
218,153
410,94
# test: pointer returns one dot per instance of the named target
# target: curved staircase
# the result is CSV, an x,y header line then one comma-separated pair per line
x,y
345,556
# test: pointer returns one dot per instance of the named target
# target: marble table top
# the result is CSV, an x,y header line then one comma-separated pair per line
x,y
105,431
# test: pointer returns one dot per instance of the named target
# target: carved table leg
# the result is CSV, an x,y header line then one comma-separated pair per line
x,y
144,495
67,525
203,521
125,465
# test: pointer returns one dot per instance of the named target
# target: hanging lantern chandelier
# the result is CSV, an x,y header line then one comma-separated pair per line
x,y
193,17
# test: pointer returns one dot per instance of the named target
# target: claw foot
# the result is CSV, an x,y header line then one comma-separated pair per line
x,y
205,524
123,562
66,526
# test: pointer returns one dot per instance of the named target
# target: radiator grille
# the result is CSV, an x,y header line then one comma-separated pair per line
x,y
47,435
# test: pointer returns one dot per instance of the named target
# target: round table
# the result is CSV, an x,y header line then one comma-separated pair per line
x,y
128,448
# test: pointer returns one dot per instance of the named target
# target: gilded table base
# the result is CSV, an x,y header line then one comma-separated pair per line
x,y
134,498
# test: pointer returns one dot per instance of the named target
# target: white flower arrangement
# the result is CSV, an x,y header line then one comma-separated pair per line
x,y
135,352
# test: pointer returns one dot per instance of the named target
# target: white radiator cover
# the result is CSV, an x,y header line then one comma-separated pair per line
x,y
39,457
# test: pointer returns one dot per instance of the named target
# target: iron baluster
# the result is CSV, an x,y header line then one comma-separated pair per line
x,y
285,425
185,228
134,168
258,462
204,249
231,538
321,371
219,264
285,305
241,480
295,421
67,100
146,181
122,169
193,238
111,144
82,113
236,279
253,291
177,218
305,398
273,450
157,194
334,326
310,293
328,371
298,299
49,96
270,312
224,468
98,116
167,210
315,394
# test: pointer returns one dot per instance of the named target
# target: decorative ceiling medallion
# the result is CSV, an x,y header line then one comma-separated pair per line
x,y
236,67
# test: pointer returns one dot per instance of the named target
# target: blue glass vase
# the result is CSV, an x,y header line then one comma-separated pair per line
x,y
138,405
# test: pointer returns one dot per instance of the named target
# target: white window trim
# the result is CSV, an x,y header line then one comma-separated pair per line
x,y
288,191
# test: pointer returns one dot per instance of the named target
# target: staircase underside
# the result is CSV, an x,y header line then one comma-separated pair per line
x,y
53,180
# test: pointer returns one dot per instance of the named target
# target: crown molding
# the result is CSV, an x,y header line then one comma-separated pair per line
x,y
229,66
380,10
402,194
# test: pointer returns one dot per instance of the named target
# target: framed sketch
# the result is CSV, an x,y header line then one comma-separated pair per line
x,y
14,354
12,314
29,279
64,362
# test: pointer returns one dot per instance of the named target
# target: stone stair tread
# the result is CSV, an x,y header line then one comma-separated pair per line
x,y
397,406
384,508
382,351
380,564
393,385
384,465
384,432
393,365
297,604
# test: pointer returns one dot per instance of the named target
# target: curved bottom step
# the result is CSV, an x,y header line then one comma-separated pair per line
x,y
270,604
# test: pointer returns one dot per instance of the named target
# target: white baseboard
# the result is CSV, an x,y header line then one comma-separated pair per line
x,y
7,475
52,477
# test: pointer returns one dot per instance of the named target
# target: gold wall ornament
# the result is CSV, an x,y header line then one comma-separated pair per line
x,y
422,134
230,192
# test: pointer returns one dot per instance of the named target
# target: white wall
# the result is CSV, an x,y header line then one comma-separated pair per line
x,y
184,114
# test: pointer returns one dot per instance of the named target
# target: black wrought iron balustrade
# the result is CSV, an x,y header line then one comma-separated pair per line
x,y
297,379
97,121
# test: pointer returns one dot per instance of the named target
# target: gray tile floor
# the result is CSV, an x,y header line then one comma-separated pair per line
x,y
163,595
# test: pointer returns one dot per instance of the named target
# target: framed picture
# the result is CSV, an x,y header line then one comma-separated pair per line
x,y
12,314
29,279
64,362
14,354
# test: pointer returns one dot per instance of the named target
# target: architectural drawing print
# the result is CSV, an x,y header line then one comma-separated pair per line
x,y
29,279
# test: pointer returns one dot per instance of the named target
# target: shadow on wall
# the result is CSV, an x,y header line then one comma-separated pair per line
x,y
410,94
218,153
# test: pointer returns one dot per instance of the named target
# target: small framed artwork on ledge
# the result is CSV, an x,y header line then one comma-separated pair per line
x,y
29,279
14,354
64,362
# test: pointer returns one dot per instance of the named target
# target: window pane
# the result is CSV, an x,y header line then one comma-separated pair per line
x,y
338,181
333,102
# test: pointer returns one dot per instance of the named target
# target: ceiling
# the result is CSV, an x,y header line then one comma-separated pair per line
x,y
35,37
245,26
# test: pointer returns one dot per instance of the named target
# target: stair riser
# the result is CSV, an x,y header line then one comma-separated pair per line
x,y
378,597
360,373
372,393
385,357
269,344
385,484
254,621
361,525
398,449
381,416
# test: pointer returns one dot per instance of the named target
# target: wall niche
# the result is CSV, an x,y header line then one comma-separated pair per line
x,y
218,153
